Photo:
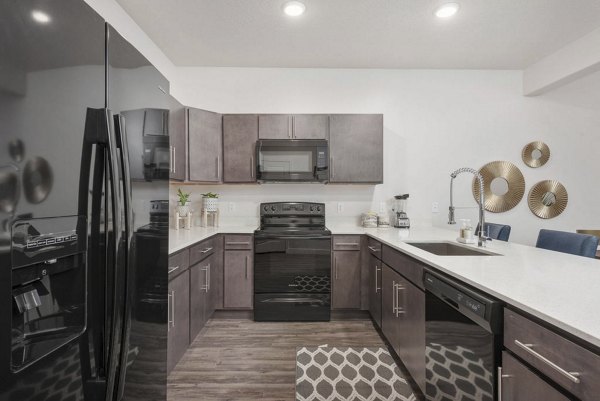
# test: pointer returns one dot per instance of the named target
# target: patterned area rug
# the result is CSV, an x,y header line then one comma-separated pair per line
x,y
349,373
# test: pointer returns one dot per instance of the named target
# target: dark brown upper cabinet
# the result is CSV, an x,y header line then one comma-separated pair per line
x,y
356,148
240,133
298,126
205,146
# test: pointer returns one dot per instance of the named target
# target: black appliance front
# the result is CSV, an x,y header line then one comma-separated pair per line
x,y
67,247
292,278
51,73
288,160
463,342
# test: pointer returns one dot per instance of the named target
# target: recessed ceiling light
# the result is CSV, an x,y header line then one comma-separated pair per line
x,y
40,16
294,8
447,10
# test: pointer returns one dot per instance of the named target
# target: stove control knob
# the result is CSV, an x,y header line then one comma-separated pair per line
x,y
265,208
312,208
273,208
318,208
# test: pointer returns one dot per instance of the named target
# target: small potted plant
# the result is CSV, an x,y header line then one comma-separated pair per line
x,y
183,206
210,202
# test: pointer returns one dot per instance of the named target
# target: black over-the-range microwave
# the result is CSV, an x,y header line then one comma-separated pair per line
x,y
296,160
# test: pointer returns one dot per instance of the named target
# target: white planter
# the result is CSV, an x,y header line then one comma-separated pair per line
x,y
183,210
210,204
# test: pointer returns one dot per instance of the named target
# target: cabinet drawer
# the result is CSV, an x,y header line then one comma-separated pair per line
x,y
403,264
202,250
238,242
568,364
178,263
518,383
346,242
374,247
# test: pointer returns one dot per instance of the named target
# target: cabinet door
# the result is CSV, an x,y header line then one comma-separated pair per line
x,y
274,126
179,318
411,347
199,287
356,148
205,145
310,126
178,140
216,276
390,321
240,133
238,279
346,280
375,289
518,383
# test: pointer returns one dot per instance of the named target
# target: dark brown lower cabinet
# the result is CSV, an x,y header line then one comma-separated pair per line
x,y
375,281
178,318
345,288
518,383
238,277
403,322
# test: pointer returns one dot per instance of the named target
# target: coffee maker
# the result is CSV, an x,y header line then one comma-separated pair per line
x,y
401,220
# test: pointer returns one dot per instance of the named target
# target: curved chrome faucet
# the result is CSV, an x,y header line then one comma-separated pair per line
x,y
481,238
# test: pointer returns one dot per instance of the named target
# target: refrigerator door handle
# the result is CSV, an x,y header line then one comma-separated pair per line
x,y
116,340
122,149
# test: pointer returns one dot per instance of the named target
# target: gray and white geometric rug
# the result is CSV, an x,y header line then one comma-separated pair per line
x,y
349,373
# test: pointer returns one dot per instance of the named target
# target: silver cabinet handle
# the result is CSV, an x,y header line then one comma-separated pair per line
x,y
173,308
394,297
399,310
290,122
169,303
218,168
237,243
373,249
377,270
246,267
172,269
206,250
335,267
174,160
206,285
573,376
500,377
347,243
294,127
252,166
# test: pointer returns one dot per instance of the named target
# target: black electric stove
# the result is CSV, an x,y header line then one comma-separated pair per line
x,y
292,263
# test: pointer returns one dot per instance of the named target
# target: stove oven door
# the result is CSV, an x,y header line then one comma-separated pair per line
x,y
292,278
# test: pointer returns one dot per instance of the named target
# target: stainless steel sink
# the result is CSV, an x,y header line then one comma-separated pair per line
x,y
450,249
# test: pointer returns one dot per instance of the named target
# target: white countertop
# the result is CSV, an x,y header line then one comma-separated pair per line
x,y
561,289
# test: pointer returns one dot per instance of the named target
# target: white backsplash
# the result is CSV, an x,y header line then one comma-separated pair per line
x,y
239,204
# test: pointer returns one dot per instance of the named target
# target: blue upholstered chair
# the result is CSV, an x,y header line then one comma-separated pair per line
x,y
560,241
495,231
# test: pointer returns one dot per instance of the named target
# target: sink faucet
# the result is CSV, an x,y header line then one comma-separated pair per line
x,y
481,240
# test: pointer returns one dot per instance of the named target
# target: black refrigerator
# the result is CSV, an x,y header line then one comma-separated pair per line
x,y
84,170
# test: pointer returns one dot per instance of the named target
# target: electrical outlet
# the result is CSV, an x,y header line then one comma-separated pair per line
x,y
340,207
435,207
381,207
231,207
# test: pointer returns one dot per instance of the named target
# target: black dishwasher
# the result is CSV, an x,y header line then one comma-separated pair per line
x,y
463,341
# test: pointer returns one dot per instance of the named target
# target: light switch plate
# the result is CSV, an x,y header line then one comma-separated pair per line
x,y
381,207
231,207
340,207
435,207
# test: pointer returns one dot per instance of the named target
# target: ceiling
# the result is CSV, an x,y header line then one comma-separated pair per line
x,y
498,34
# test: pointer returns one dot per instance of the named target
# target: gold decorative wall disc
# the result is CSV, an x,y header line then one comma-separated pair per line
x,y
536,154
503,186
548,199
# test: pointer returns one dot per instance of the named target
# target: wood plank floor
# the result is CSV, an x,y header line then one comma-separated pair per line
x,y
239,359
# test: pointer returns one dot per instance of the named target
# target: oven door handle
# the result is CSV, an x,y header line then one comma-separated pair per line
x,y
292,300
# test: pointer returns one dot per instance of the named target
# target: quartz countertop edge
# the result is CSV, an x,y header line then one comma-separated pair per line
x,y
558,288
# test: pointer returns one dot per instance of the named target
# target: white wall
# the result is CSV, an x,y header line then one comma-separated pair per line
x,y
435,122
